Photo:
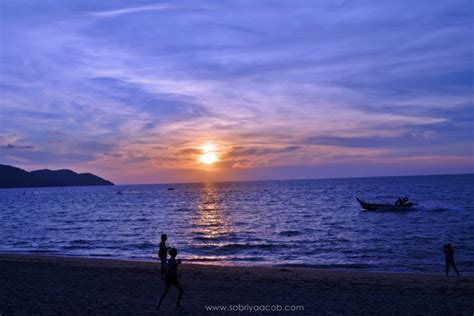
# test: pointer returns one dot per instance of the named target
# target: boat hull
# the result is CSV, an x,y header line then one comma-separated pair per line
x,y
385,207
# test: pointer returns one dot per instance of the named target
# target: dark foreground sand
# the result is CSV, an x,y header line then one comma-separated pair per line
x,y
63,285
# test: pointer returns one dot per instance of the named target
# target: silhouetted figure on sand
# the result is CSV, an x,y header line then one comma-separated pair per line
x,y
449,253
172,278
163,254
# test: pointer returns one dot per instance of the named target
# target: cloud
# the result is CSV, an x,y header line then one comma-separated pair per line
x,y
190,151
241,151
405,139
14,146
55,133
129,10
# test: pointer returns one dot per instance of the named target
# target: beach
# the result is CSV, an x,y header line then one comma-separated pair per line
x,y
37,284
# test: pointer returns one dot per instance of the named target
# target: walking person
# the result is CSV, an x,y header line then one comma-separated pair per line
x,y
172,278
449,254
163,254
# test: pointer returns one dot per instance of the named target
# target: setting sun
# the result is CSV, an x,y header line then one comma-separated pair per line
x,y
208,156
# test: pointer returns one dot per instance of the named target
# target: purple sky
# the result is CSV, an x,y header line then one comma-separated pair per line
x,y
133,90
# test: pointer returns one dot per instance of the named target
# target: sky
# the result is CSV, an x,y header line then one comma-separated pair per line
x,y
138,91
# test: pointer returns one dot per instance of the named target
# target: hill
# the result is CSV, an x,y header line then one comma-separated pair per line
x,y
13,177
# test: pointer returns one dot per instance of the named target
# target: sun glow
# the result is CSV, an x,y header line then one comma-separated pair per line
x,y
208,156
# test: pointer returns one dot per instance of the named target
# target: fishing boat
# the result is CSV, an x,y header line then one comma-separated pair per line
x,y
386,207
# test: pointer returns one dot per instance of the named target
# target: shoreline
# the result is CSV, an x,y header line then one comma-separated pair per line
x,y
64,257
57,284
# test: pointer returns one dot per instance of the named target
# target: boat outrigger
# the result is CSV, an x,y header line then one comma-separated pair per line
x,y
405,206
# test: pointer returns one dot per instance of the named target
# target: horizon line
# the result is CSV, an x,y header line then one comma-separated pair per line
x,y
303,179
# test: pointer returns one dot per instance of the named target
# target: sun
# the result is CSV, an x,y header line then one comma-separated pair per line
x,y
208,156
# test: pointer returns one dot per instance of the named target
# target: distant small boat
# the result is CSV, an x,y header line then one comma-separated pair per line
x,y
170,189
385,207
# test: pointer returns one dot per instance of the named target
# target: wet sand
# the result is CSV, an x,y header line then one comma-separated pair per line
x,y
33,284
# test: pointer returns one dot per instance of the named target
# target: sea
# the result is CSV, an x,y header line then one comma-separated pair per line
x,y
297,223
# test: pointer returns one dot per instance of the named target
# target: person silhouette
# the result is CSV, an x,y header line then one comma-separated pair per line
x,y
401,202
163,254
449,254
172,278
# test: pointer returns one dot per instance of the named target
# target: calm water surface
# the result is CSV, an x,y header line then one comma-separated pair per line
x,y
314,223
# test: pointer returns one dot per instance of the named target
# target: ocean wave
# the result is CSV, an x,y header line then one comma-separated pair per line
x,y
208,225
438,206
226,259
39,251
433,209
89,246
72,247
141,246
102,220
326,266
63,228
80,241
20,243
238,247
208,209
218,237
203,259
252,259
183,209
289,233
207,238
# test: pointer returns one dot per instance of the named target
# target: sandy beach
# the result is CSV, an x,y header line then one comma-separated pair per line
x,y
32,284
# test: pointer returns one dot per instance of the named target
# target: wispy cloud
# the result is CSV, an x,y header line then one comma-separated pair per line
x,y
129,10
15,146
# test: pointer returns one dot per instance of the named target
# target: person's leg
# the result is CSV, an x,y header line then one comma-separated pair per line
x,y
167,289
447,268
180,294
455,269
163,269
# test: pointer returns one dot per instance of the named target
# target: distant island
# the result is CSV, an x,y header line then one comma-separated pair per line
x,y
13,177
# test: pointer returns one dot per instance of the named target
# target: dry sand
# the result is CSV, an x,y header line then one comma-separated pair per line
x,y
31,284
